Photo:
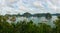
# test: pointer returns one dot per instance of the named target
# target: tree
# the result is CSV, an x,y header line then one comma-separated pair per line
x,y
44,28
57,23
31,28
0,18
13,19
58,17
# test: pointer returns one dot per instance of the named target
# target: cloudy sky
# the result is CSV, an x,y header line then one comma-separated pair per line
x,y
31,6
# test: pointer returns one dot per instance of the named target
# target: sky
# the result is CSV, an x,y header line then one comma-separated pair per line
x,y
31,6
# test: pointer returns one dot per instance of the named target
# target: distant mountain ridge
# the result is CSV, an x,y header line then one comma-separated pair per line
x,y
34,15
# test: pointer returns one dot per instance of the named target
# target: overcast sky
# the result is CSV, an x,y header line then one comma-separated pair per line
x,y
31,6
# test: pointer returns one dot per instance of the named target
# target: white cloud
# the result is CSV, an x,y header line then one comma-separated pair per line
x,y
38,6
51,6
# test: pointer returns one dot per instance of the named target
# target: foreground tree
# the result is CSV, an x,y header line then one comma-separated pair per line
x,y
44,28
57,23
13,19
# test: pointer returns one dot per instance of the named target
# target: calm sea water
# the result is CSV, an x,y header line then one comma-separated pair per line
x,y
37,20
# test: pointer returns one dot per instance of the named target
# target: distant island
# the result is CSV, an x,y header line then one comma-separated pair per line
x,y
32,15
